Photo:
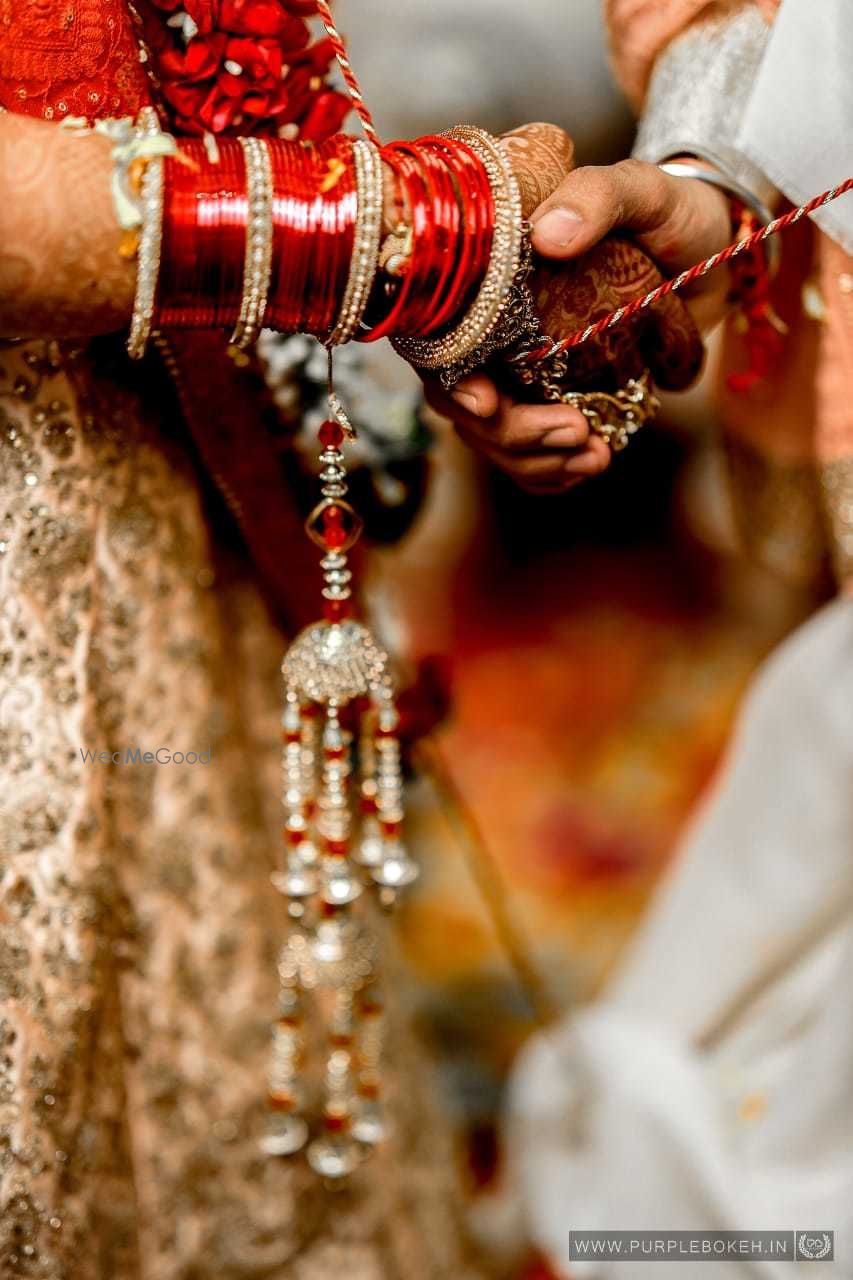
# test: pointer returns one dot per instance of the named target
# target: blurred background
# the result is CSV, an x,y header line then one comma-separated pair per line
x,y
599,643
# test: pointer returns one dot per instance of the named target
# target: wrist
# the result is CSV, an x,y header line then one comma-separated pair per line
x,y
339,240
746,282
739,199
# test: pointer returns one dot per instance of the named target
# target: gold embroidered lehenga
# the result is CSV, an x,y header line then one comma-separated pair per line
x,y
138,927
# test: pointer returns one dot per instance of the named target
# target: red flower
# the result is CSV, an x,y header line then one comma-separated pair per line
x,y
260,60
253,17
302,8
318,56
263,18
325,115
250,68
200,60
204,13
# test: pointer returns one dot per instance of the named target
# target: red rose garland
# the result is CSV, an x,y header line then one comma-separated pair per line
x,y
246,67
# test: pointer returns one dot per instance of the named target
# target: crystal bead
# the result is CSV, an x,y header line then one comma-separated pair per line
x,y
308,855
334,526
369,1125
296,882
389,720
370,850
287,1135
341,890
330,944
288,1004
396,871
334,1156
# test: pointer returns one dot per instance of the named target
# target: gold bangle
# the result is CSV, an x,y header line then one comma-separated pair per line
x,y
368,231
485,313
257,268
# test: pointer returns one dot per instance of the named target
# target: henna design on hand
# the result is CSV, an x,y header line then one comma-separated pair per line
x,y
541,155
570,295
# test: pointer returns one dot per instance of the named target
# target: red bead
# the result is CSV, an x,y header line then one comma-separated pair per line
x,y
337,848
336,1121
331,435
334,526
334,533
336,610
391,829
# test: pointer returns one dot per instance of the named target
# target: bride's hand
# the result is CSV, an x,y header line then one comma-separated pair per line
x,y
524,440
548,448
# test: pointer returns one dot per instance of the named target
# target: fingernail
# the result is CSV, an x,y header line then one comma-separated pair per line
x,y
562,438
468,401
557,228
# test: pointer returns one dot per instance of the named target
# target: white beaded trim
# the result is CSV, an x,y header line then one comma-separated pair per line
x,y
368,235
487,308
257,268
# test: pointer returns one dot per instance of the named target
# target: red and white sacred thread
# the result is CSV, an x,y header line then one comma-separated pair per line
x,y
353,86
687,277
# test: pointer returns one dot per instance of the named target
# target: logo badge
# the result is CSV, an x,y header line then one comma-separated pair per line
x,y
815,1246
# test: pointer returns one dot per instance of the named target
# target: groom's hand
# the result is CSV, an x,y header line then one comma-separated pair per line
x,y
677,222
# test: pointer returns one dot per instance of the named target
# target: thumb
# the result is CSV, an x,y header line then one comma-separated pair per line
x,y
592,201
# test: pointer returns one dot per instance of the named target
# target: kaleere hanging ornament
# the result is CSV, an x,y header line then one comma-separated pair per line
x,y
343,801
